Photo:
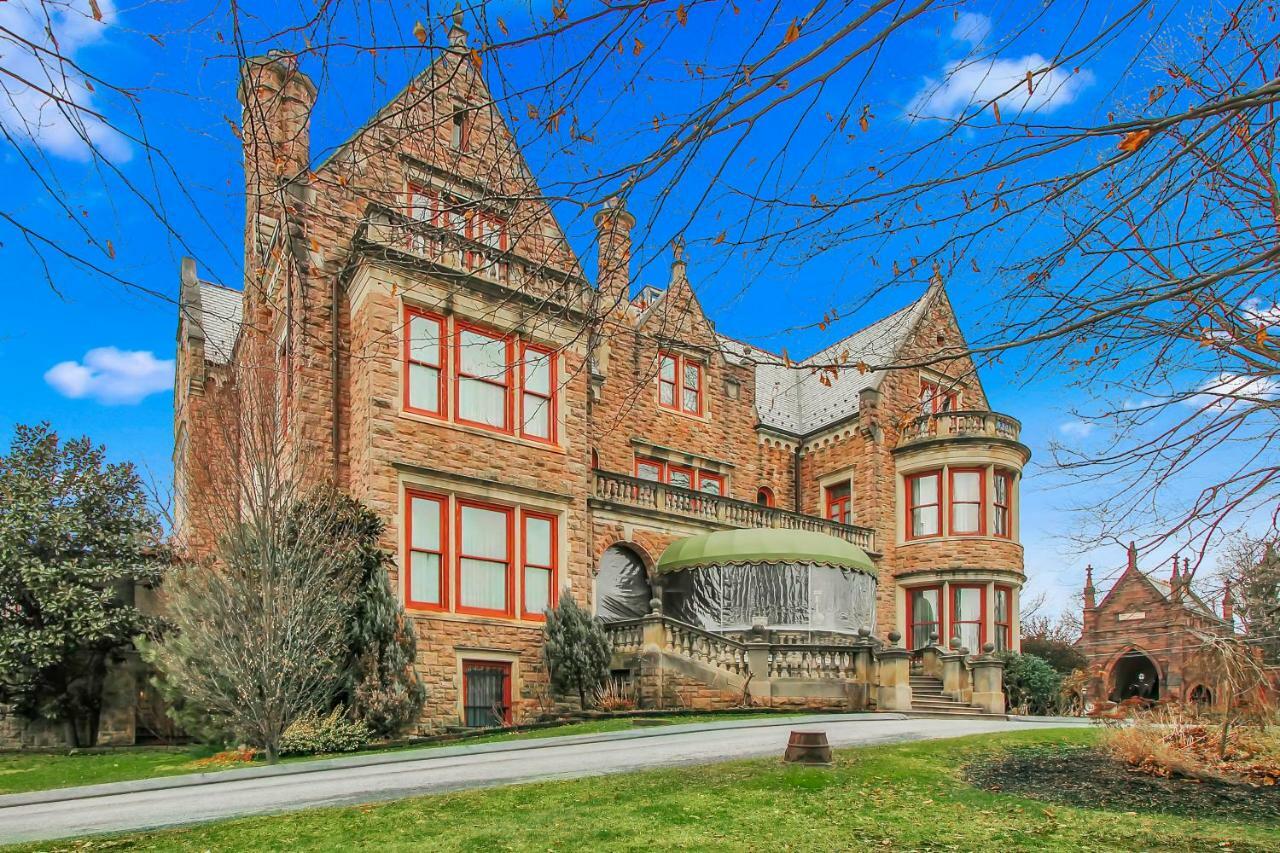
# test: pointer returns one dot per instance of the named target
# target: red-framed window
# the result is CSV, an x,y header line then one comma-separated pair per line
x,y
485,580
924,614
934,398
425,363
1002,503
650,469
765,497
537,394
839,500
967,491
968,615
426,580
486,693
538,557
680,476
924,505
424,204
1004,618
483,388
712,484
680,384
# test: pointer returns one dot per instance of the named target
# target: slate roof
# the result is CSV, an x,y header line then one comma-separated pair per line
x,y
221,312
796,400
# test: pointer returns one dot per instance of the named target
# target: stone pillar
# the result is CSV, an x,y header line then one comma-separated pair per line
x,y
894,690
863,681
758,665
955,676
931,658
988,681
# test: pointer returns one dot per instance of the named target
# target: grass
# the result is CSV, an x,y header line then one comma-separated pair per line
x,y
903,797
30,771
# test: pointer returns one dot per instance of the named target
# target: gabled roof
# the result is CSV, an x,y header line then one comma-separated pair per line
x,y
221,312
797,400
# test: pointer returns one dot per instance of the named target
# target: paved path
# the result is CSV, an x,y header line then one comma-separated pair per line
x,y
359,779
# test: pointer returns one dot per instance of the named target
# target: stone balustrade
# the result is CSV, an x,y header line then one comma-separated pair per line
x,y
961,424
716,510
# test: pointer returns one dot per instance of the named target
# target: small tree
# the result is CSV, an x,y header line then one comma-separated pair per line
x,y
1251,575
76,536
577,650
1053,642
1031,683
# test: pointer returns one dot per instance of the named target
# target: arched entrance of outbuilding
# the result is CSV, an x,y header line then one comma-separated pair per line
x,y
1135,674
623,590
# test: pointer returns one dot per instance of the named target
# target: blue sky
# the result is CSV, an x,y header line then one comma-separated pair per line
x,y
74,349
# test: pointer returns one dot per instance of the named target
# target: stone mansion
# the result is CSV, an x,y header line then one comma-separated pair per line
x,y
417,326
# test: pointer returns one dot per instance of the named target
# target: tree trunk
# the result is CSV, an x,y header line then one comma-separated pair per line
x,y
270,749
71,731
582,697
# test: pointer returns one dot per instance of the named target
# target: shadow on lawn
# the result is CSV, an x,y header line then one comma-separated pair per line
x,y
1086,777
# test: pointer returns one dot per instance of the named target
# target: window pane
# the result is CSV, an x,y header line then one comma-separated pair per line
x,y
424,388
1002,521
1002,605
424,577
484,532
924,605
964,518
968,603
484,585
1002,490
924,521
691,375
690,401
537,590
667,371
424,340
482,402
425,522
537,373
420,204
924,490
969,634
537,541
648,471
481,355
966,486
683,479
667,393
537,416
711,486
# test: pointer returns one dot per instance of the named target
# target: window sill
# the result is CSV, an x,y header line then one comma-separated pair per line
x,y
967,537
510,438
705,417
475,619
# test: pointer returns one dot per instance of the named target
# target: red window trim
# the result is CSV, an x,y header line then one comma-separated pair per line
x,y
911,616
982,611
550,397
510,610
844,502
422,189
553,580
938,506
442,393
443,501
982,501
508,386
935,398
684,469
657,463
1003,627
767,494
504,666
704,476
678,386
1007,506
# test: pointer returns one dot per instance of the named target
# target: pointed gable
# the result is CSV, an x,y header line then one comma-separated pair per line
x,y
678,316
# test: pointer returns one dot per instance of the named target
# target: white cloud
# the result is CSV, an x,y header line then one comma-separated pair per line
x,y
969,83
1226,389
972,27
65,126
112,376
1077,429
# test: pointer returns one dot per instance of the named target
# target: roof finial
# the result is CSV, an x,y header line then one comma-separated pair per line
x,y
1133,556
457,35
1173,576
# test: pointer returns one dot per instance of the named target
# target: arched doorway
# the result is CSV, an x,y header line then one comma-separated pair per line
x,y
1201,695
1135,674
622,585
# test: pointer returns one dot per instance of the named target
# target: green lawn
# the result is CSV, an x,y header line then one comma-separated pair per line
x,y
20,772
906,797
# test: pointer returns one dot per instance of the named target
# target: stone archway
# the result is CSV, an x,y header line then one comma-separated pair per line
x,y
1135,674
623,590
1201,695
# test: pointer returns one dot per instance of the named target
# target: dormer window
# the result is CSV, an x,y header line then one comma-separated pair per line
x,y
934,398
680,385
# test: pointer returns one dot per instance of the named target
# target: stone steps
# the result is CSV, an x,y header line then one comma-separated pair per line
x,y
927,698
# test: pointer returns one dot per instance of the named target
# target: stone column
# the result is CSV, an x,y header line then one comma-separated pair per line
x,y
863,671
894,691
955,676
931,657
988,681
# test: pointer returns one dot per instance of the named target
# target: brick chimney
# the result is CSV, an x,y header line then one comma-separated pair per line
x,y
613,273
1228,608
276,99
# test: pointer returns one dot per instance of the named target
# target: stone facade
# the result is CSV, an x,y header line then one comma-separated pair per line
x,y
429,219
1150,627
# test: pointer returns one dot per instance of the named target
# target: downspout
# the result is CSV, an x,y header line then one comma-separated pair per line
x,y
333,374
795,479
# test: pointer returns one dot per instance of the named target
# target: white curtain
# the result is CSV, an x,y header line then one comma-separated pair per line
x,y
968,617
924,616
424,568
485,566
924,519
966,497
424,364
486,358
424,577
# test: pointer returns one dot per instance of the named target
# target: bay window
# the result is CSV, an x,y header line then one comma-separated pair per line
x,y
924,505
484,378
967,609
484,558
1001,521
923,614
425,585
839,503
967,494
537,401
1004,618
680,384
425,360
539,565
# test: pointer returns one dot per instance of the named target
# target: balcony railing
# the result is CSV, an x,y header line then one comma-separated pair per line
x,y
717,510
966,424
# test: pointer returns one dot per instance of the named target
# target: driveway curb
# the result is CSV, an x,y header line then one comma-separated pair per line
x,y
108,789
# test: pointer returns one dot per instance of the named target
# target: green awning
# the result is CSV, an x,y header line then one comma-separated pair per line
x,y
764,545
